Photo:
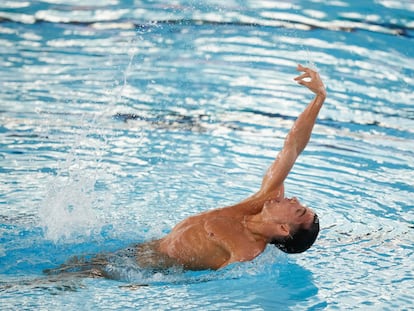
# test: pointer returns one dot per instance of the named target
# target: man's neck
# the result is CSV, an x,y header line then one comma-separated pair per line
x,y
253,224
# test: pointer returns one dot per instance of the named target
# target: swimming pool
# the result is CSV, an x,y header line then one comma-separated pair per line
x,y
120,119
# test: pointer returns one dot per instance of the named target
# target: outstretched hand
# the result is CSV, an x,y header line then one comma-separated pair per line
x,y
311,79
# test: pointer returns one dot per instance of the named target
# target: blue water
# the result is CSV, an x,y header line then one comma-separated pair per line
x,y
121,118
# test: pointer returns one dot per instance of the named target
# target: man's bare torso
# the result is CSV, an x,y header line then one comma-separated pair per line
x,y
211,240
201,242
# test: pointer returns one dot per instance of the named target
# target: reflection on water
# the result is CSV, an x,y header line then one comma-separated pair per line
x,y
120,119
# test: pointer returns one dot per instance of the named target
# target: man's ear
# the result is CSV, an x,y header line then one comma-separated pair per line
x,y
283,230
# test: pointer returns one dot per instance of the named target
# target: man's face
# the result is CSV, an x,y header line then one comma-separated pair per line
x,y
288,211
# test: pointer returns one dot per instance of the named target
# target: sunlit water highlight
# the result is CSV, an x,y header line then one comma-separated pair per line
x,y
119,120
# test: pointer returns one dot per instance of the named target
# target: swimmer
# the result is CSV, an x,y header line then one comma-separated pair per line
x,y
239,233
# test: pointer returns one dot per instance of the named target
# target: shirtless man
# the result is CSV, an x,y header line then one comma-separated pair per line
x,y
237,233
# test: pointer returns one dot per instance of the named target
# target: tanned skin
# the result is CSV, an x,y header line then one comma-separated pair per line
x,y
238,233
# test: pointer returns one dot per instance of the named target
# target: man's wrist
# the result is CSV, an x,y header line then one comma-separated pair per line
x,y
321,93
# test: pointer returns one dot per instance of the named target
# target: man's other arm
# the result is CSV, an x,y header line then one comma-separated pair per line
x,y
299,135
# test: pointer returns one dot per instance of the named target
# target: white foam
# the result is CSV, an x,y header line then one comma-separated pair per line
x,y
68,210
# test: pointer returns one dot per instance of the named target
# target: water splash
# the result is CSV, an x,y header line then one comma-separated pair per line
x,y
69,208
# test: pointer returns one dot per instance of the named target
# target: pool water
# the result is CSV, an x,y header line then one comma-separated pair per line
x,y
119,119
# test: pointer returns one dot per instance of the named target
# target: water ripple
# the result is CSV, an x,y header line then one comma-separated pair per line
x,y
118,121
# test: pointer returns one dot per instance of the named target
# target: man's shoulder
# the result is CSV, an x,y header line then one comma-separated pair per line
x,y
249,206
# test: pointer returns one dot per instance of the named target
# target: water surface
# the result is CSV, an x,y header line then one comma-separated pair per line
x,y
120,119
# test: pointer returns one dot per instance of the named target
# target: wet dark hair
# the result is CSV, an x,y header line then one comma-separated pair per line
x,y
301,240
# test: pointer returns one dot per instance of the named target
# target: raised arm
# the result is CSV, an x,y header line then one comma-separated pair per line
x,y
299,135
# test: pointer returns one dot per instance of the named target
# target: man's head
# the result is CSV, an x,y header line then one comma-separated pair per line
x,y
298,225
300,240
